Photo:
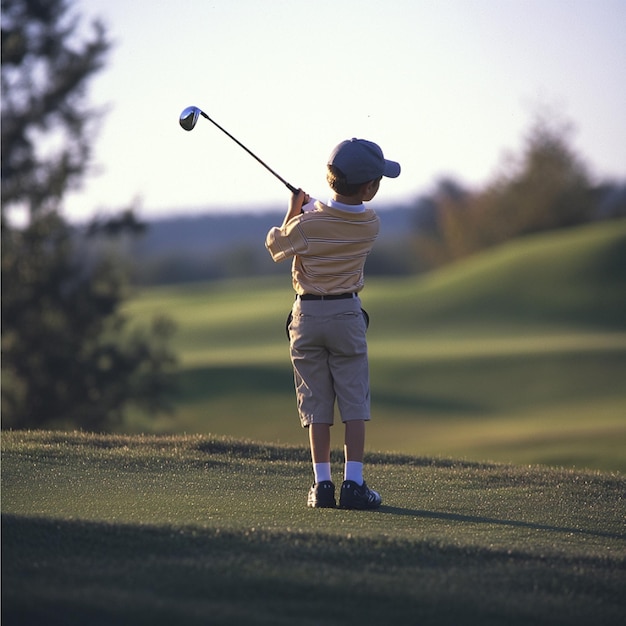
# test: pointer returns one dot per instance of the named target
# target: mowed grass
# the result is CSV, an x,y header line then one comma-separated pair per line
x,y
210,530
516,355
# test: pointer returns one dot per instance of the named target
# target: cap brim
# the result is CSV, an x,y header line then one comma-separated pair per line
x,y
392,169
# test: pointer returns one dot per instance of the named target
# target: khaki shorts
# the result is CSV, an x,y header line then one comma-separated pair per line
x,y
329,357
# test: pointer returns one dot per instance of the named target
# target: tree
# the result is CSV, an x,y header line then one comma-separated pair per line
x,y
69,356
45,121
546,187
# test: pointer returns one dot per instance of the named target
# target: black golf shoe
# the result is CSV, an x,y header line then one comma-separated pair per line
x,y
354,496
322,495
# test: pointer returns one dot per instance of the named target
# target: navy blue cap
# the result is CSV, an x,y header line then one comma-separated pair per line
x,y
361,161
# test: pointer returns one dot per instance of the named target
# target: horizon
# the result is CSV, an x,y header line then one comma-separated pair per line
x,y
448,88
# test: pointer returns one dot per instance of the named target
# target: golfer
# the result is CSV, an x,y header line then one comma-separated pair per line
x,y
329,244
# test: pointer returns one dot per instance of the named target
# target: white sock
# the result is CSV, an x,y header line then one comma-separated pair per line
x,y
353,470
321,471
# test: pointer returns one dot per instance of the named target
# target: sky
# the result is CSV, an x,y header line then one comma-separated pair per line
x,y
446,87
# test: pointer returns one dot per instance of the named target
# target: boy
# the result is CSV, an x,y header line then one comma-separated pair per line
x,y
329,244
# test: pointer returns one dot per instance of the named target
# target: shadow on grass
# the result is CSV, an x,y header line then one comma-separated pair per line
x,y
70,571
471,519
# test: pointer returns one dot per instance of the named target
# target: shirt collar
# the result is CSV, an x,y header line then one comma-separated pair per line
x,y
352,208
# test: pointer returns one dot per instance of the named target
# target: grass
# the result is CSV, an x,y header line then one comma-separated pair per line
x,y
517,355
197,529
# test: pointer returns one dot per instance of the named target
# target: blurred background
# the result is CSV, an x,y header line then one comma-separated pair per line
x,y
137,295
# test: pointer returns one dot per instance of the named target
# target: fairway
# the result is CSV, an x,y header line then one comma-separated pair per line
x,y
197,530
517,355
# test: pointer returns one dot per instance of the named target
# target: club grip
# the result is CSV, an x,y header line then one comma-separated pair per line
x,y
292,188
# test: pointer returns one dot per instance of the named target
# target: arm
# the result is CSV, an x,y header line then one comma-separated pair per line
x,y
296,203
281,242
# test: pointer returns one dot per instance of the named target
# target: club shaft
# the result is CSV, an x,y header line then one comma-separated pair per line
x,y
265,165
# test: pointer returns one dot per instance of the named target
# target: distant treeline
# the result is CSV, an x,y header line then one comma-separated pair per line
x,y
545,187
213,246
437,229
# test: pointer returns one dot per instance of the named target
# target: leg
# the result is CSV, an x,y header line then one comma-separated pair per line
x,y
322,493
355,441
355,494
315,396
354,450
319,438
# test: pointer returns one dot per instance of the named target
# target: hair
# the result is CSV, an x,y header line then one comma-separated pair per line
x,y
337,181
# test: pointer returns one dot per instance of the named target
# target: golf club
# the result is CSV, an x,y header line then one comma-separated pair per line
x,y
188,119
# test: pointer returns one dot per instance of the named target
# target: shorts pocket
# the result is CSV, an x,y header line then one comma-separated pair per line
x,y
288,323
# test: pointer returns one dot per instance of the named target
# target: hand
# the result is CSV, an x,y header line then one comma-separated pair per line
x,y
296,202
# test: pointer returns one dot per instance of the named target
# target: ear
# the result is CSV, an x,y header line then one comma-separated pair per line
x,y
366,188
370,189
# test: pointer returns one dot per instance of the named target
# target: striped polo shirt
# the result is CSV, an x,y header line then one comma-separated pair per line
x,y
329,247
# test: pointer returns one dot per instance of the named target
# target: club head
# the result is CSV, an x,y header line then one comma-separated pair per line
x,y
189,117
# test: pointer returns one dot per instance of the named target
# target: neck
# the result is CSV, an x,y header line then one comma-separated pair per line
x,y
352,200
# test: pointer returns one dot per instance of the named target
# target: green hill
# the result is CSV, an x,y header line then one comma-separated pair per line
x,y
190,530
572,278
515,355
